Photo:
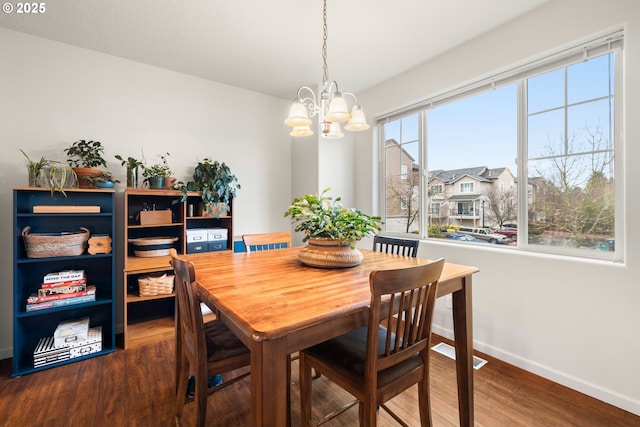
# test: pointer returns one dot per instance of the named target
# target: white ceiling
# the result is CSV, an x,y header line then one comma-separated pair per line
x,y
272,47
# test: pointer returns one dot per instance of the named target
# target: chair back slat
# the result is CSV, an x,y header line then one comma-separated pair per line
x,y
267,241
392,245
410,295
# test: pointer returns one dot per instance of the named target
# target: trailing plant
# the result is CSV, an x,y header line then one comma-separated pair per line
x,y
215,182
86,154
321,216
56,175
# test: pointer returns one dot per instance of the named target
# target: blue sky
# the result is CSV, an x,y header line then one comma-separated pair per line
x,y
481,130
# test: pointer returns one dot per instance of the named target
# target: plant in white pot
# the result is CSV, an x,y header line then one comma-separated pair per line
x,y
216,184
331,230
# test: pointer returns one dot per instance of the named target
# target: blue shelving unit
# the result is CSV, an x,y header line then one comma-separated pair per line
x,y
28,273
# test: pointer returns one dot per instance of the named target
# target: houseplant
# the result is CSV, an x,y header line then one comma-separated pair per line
x,y
155,174
102,179
133,166
85,157
330,229
34,168
217,186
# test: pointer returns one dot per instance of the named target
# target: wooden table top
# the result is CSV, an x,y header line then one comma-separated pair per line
x,y
272,293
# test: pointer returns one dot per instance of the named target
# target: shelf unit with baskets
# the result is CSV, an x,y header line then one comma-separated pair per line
x,y
48,222
159,218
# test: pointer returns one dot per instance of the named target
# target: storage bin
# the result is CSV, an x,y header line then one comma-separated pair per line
x,y
218,245
197,247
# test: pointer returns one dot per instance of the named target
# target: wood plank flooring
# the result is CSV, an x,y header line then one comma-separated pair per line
x,y
134,387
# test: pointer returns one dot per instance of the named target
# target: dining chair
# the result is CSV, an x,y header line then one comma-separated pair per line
x,y
375,363
203,350
267,241
392,245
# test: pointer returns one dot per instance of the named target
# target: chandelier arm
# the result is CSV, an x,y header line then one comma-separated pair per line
x,y
353,95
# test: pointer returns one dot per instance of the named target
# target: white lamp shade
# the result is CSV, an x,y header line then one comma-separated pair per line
x,y
334,131
337,110
357,121
301,131
298,116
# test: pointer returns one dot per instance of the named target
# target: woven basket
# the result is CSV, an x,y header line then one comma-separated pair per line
x,y
152,246
45,245
150,286
329,253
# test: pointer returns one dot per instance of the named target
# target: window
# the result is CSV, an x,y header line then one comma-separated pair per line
x,y
557,115
466,187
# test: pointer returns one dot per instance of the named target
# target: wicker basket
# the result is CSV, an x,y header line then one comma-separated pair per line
x,y
150,285
45,245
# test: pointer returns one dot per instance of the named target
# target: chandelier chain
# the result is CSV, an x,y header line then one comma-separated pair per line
x,y
325,68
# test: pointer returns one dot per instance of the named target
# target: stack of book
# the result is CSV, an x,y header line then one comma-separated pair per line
x,y
62,288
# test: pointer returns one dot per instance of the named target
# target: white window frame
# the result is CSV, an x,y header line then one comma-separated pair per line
x,y
611,41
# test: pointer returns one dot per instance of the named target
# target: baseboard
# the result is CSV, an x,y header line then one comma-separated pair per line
x,y
611,397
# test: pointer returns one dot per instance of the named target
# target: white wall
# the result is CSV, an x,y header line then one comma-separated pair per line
x,y
575,322
52,94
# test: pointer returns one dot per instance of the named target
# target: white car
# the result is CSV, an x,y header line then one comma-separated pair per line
x,y
484,234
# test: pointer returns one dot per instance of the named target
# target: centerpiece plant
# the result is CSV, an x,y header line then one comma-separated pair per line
x,y
330,229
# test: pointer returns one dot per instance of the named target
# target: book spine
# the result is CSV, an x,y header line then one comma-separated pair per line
x,y
90,290
61,290
60,302
82,281
63,276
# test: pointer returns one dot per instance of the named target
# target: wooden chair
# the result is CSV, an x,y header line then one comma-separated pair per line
x,y
374,363
392,245
267,241
202,349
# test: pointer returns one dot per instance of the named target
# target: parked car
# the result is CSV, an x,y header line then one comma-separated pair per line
x,y
511,233
484,234
465,238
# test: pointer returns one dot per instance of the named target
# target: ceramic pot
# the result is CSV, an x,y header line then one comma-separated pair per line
x,y
329,253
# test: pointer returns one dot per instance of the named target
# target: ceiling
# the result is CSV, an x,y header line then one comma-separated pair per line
x,y
272,47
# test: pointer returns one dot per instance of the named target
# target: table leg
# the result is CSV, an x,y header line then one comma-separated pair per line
x,y
463,333
269,388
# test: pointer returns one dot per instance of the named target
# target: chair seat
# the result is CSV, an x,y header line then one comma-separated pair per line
x,y
221,342
347,355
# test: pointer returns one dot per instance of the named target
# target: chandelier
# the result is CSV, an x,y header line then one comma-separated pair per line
x,y
332,109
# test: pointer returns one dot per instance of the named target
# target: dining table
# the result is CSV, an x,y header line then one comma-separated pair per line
x,y
277,306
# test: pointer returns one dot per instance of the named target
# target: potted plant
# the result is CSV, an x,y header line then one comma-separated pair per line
x,y
34,168
133,166
155,174
330,229
85,157
216,184
103,179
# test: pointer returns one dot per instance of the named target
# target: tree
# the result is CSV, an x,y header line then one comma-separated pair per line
x,y
502,205
579,187
403,197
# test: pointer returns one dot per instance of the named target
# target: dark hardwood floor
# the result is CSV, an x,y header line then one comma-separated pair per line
x,y
134,388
